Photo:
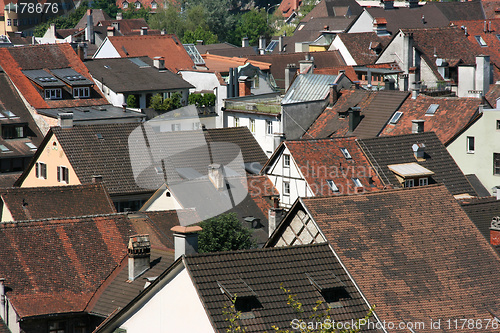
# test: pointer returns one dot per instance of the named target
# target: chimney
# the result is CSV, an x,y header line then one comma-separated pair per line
x,y
245,85
229,87
483,73
417,126
389,84
280,43
89,30
159,63
407,61
306,65
144,31
498,193
262,45
216,176
354,118
380,26
418,150
124,107
290,71
97,179
116,25
200,42
244,42
81,51
485,29
423,19
495,231
119,16
333,96
52,30
139,255
388,4
275,215
413,3
414,94
185,240
2,299
110,31
65,120
163,32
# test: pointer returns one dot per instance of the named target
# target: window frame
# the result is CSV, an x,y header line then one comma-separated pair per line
x,y
357,182
498,125
332,185
423,180
62,174
286,161
77,92
496,164
252,125
286,188
409,183
469,140
41,170
269,127
479,39
236,121
346,153
54,93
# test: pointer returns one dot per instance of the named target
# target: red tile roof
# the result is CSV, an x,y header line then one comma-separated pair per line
x,y
167,46
348,71
48,56
322,160
452,115
287,7
414,253
363,47
126,26
222,64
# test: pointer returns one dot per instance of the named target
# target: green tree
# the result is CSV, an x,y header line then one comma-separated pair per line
x,y
168,19
132,101
224,233
209,99
252,24
202,100
196,99
61,22
199,34
156,102
132,13
109,6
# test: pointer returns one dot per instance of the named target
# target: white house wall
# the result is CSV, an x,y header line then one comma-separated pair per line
x,y
338,44
176,307
427,76
278,174
106,50
487,142
364,23
164,202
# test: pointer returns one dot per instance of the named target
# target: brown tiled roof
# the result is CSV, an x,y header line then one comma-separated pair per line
x,y
9,179
348,71
47,56
222,64
97,15
414,253
19,38
57,265
280,61
452,115
126,26
33,203
467,10
287,7
205,48
376,110
321,160
167,46
264,271
3,327
491,8
384,151
360,46
481,212
327,8
493,94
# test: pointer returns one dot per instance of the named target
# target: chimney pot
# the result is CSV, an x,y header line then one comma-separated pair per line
x,y
290,71
354,118
65,120
139,255
262,45
333,94
216,176
417,126
119,16
186,240
97,179
275,216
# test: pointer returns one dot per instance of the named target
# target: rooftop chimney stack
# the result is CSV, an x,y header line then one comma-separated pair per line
x,y
413,3
185,240
418,150
290,71
216,176
119,16
275,216
2,299
417,126
139,255
245,42
245,84
144,31
116,25
306,65
495,231
354,118
96,179
280,43
89,30
110,31
333,94
65,120
483,73
262,45
388,4
159,63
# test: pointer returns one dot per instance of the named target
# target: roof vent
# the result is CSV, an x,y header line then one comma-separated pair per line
x,y
65,119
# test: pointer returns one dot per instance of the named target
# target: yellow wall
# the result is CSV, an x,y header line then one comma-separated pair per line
x,y
317,48
53,156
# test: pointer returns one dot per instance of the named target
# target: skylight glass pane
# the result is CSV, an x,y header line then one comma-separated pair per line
x,y
271,46
4,149
10,114
345,152
2,116
30,145
357,182
396,117
332,185
194,54
480,41
432,109
139,62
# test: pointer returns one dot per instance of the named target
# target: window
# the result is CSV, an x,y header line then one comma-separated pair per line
x,y
57,327
62,174
269,127
175,127
15,22
137,5
470,144
332,185
496,164
357,182
409,183
81,92
13,131
431,110
125,4
236,122
53,93
286,188
395,117
480,41
9,22
196,125
423,181
286,161
41,170
153,5
252,125
498,124
346,153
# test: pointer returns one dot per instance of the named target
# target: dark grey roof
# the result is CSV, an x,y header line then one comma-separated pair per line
x,y
71,77
127,75
384,151
87,114
478,186
481,212
43,78
261,273
467,10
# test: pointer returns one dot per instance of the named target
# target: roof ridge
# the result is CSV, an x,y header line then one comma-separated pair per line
x,y
81,217
270,249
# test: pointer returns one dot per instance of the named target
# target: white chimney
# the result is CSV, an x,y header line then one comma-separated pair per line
x,y
144,31
65,120
417,126
159,62
262,45
89,30
185,240
116,25
119,16
139,255
216,176
418,150
483,73
110,31
244,42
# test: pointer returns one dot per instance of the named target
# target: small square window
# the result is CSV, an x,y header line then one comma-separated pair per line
x,y
62,174
332,185
286,188
286,161
423,181
470,144
357,182
41,170
346,153
409,183
236,122
175,127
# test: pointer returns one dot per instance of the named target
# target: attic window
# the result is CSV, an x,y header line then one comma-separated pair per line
x,y
357,182
10,114
332,185
330,286
154,5
99,136
395,117
137,4
346,153
30,145
4,149
159,170
498,37
125,4
431,110
245,298
480,41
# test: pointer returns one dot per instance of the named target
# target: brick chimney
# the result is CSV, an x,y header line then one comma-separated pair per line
x,y
334,95
110,31
185,240
290,71
354,118
245,84
417,126
216,176
65,120
139,255
275,216
495,231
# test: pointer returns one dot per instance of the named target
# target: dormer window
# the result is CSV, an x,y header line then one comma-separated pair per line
x,y
332,185
245,299
125,4
333,290
137,5
55,93
154,5
81,92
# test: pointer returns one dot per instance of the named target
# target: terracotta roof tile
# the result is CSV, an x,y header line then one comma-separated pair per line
x,y
481,212
413,252
126,26
59,201
361,46
287,7
348,71
452,115
222,64
167,46
327,8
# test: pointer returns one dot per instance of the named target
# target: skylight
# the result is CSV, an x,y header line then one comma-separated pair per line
x,y
480,41
10,114
271,46
346,153
395,117
30,145
332,185
99,136
4,149
357,182
431,110
194,54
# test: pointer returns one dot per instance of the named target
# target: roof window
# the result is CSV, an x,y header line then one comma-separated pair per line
x,y
346,153
480,41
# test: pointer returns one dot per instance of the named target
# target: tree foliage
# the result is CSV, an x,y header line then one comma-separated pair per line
x,y
61,22
109,6
191,37
252,24
224,233
158,103
201,100
132,101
